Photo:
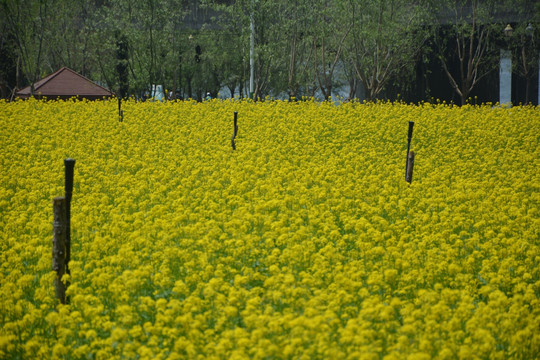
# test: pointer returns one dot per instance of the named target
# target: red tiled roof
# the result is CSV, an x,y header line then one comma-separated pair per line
x,y
66,83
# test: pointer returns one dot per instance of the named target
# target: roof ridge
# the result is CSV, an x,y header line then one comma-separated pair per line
x,y
50,81
85,78
47,78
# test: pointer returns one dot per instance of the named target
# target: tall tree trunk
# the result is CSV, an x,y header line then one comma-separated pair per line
x,y
38,60
189,87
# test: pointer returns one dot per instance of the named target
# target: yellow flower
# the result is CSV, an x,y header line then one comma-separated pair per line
x,y
304,242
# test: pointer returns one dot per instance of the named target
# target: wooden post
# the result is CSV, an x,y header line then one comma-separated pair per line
x,y
235,130
409,138
69,165
59,246
120,112
410,166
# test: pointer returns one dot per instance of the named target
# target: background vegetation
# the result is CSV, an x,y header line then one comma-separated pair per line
x,y
416,48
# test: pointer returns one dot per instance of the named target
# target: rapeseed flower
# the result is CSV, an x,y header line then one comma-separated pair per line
x,y
305,242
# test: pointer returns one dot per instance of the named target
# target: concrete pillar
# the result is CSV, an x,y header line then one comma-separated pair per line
x,y
505,78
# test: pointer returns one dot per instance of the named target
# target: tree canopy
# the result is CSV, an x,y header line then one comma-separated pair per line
x,y
301,47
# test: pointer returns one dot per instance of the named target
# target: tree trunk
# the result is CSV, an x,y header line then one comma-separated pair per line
x,y
527,87
189,88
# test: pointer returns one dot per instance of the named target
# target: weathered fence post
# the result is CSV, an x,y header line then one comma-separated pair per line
x,y
235,130
69,165
120,112
59,246
410,166
409,138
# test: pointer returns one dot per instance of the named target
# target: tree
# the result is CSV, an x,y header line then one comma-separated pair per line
x,y
145,23
222,60
467,29
298,25
525,52
102,47
67,38
8,63
175,44
27,22
122,65
235,19
328,43
524,42
386,38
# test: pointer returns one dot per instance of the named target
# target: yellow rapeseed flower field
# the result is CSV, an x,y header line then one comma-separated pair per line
x,y
304,243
